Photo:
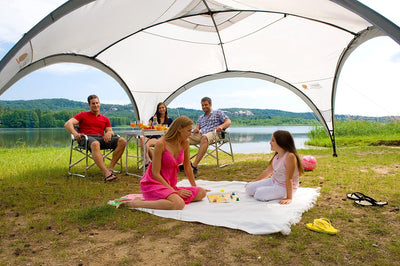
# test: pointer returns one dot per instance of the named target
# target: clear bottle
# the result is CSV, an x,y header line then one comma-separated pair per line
x,y
154,121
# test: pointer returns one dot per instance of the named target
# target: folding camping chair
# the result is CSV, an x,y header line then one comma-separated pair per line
x,y
84,154
216,147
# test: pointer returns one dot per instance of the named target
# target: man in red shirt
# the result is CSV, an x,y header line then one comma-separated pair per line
x,y
100,136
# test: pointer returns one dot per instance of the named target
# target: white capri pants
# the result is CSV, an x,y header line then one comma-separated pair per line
x,y
266,189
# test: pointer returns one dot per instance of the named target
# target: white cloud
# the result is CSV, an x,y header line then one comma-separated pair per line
x,y
395,58
19,16
369,83
66,69
387,8
242,93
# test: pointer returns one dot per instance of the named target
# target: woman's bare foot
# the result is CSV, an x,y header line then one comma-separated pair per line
x,y
135,203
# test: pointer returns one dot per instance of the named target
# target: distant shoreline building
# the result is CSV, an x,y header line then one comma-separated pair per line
x,y
244,113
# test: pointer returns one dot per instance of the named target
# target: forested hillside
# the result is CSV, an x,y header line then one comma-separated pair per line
x,y
47,113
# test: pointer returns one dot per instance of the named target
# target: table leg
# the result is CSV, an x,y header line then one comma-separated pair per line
x,y
139,155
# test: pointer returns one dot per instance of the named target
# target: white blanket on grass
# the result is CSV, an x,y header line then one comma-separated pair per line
x,y
247,214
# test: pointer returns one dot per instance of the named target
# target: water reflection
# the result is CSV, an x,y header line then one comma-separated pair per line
x,y
21,137
256,139
244,139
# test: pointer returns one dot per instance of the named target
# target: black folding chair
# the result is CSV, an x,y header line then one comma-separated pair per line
x,y
83,154
222,144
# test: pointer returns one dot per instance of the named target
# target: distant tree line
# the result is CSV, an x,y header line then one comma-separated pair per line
x,y
52,113
23,118
271,121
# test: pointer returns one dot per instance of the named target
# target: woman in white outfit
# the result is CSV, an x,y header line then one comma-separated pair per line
x,y
281,179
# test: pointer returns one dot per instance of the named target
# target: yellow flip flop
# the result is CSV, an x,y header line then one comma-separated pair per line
x,y
322,225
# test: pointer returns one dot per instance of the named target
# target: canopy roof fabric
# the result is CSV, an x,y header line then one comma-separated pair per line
x,y
157,49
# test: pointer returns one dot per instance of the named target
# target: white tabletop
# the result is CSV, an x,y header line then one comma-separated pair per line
x,y
145,132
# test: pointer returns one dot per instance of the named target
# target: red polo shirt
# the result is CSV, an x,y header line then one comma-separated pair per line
x,y
90,124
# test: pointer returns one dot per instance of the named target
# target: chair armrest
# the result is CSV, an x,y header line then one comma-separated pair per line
x,y
83,135
224,132
86,137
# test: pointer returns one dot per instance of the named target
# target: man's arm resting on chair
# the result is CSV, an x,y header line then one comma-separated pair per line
x,y
70,127
224,125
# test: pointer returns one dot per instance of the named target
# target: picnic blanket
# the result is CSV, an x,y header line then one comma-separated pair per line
x,y
243,212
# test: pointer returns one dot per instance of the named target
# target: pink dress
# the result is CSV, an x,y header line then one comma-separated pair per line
x,y
154,190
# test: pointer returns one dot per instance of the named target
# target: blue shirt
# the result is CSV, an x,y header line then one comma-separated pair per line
x,y
209,123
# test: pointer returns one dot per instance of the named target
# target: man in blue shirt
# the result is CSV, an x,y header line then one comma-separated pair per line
x,y
206,131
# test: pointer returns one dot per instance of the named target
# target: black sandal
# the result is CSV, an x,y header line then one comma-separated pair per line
x,y
368,201
356,196
110,178
194,169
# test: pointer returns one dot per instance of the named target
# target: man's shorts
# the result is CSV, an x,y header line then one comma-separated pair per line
x,y
196,138
112,144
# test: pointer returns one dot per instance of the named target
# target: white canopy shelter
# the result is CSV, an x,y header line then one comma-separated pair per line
x,y
157,49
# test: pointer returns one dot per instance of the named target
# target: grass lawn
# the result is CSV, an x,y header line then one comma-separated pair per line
x,y
49,218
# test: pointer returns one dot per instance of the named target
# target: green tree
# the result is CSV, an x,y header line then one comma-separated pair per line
x,y
20,119
48,120
63,115
119,121
39,114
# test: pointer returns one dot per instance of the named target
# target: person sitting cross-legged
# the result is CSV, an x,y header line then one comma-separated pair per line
x,y
159,184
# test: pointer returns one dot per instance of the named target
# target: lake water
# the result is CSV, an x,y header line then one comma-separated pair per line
x,y
256,139
244,139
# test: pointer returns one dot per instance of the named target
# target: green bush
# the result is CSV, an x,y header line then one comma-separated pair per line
x,y
350,133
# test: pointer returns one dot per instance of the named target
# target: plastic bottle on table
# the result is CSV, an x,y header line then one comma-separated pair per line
x,y
154,120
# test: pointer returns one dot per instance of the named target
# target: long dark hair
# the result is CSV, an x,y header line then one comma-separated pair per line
x,y
285,140
159,115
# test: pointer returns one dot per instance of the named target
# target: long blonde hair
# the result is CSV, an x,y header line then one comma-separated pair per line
x,y
181,122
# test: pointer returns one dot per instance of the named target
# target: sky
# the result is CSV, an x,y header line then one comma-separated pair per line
x,y
370,75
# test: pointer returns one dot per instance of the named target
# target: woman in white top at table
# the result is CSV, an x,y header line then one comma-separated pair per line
x,y
162,119
281,179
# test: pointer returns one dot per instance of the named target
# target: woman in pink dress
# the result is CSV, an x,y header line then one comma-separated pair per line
x,y
281,179
158,184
